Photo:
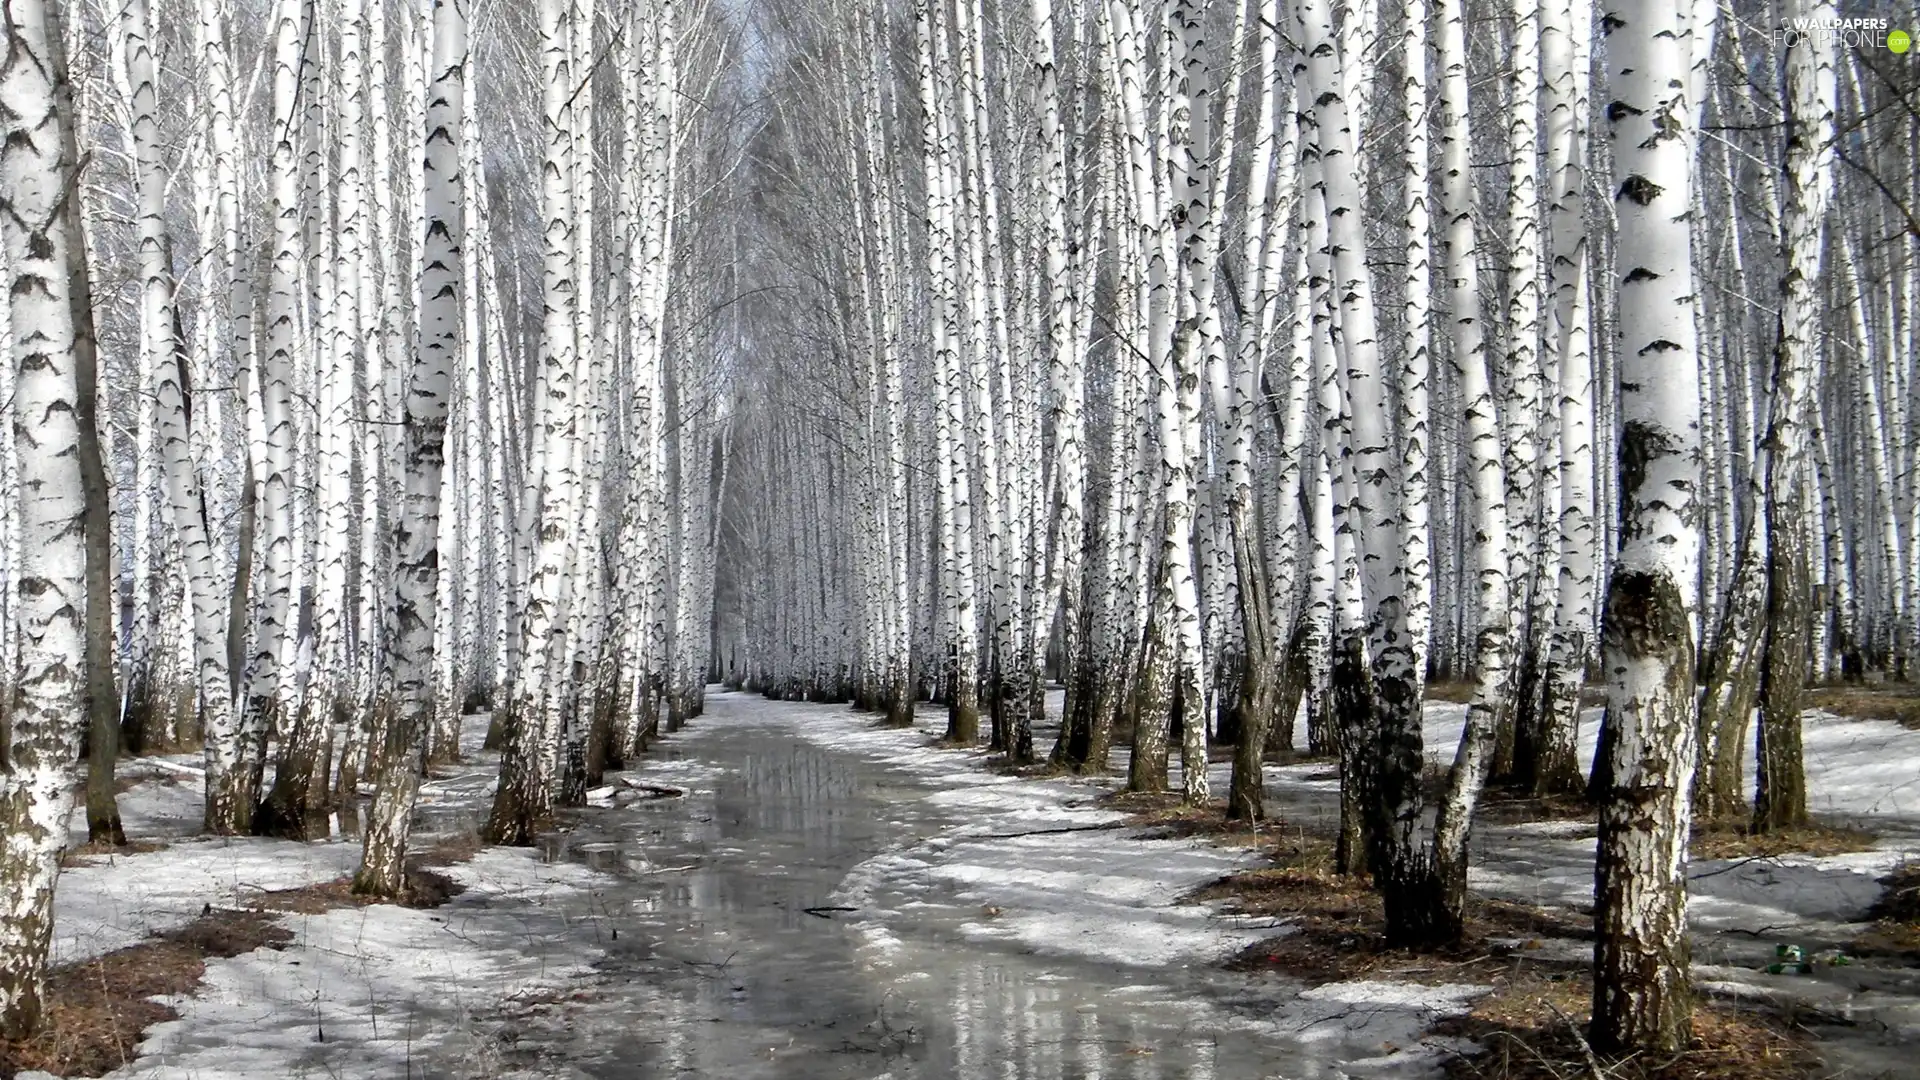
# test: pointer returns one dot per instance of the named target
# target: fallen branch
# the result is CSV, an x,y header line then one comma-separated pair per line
x,y
1051,832
822,912
658,791
169,766
1764,932
1774,859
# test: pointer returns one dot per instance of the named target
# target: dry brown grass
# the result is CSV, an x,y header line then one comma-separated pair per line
x,y
425,886
1900,900
1509,806
448,849
1457,691
1734,841
1527,1023
424,889
1898,703
86,854
1335,924
96,1010
1039,770
1165,816
1460,692
1532,1027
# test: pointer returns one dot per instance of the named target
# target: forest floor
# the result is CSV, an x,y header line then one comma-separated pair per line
x,y
210,958
786,890
1842,891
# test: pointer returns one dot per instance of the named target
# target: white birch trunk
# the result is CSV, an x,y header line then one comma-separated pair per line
x,y
52,357
268,687
523,805
1781,798
1641,993
429,386
1492,652
1565,49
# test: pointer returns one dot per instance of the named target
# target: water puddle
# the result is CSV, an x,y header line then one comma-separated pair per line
x,y
725,958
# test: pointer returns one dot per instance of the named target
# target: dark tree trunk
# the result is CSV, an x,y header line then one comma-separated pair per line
x,y
1558,772
1351,691
963,706
1152,706
229,805
103,701
1641,997
1290,689
899,700
1730,691
295,807
602,754
1229,715
1781,799
1103,709
1520,764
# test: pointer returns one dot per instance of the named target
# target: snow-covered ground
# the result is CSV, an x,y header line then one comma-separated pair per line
x,y
369,991
1108,895
359,991
1042,868
1863,773
1044,871
113,901
1018,867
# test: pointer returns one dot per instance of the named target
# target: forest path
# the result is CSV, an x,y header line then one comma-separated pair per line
x,y
1000,928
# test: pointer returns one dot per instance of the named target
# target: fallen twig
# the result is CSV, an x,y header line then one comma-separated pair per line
x,y
822,912
1774,859
1763,932
1593,1061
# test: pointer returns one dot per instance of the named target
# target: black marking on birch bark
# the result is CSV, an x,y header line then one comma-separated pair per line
x,y
1640,189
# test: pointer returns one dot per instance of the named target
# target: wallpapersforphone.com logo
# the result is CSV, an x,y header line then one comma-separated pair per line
x,y
1844,33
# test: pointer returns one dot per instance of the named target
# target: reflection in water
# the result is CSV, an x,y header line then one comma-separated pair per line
x,y
719,970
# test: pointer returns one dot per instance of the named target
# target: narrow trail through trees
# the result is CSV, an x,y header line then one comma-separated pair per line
x,y
722,968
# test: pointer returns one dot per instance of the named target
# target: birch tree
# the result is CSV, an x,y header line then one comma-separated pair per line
x,y
524,802
217,595
1641,997
1565,34
269,683
429,384
1781,801
53,359
1434,910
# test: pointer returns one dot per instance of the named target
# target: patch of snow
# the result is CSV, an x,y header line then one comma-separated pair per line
x,y
1577,830
1379,1022
161,804
1083,891
113,901
381,991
